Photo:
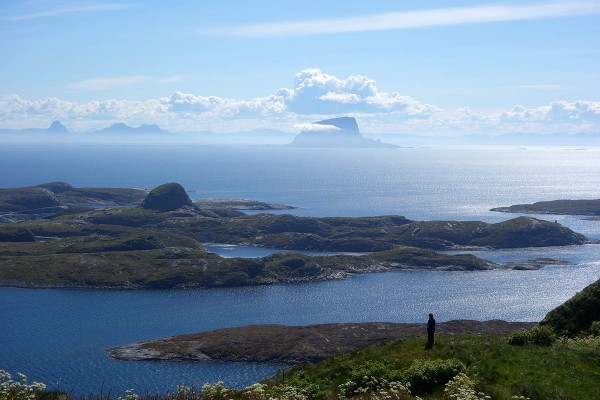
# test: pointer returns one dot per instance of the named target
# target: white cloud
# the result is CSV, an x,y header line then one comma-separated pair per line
x,y
53,12
108,83
558,111
316,92
310,127
413,19
314,96
188,104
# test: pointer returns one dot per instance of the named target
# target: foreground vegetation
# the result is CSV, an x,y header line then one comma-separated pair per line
x,y
460,367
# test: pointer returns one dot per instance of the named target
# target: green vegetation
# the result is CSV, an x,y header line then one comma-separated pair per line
x,y
568,369
538,335
460,367
577,314
27,198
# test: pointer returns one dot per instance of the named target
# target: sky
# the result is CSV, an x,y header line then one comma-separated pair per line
x,y
426,68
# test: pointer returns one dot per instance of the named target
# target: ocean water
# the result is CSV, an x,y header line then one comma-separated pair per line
x,y
59,336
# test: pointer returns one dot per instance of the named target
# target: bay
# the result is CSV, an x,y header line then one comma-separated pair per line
x,y
59,336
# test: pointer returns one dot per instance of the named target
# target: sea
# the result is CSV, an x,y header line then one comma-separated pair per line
x,y
59,336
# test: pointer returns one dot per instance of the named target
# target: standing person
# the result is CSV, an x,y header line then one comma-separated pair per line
x,y
430,329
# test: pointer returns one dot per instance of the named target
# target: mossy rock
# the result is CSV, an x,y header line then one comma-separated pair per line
x,y
167,197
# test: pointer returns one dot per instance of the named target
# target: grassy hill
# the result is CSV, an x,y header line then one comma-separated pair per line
x,y
577,314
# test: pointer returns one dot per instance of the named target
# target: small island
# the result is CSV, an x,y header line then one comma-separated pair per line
x,y
157,243
292,344
558,207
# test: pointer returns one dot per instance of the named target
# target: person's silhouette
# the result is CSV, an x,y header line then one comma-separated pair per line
x,y
430,329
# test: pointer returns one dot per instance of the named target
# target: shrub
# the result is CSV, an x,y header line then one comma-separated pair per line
x,y
542,335
594,328
385,391
461,387
424,375
18,390
539,335
370,376
519,338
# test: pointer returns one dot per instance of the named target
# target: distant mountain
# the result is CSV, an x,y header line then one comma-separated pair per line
x,y
121,128
340,132
56,128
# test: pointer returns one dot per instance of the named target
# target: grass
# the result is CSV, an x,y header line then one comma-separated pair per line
x,y
561,371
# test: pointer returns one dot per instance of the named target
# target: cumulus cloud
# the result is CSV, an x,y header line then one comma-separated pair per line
x,y
557,111
315,95
316,92
187,104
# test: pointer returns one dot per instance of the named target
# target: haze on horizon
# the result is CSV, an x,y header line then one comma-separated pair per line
x,y
435,69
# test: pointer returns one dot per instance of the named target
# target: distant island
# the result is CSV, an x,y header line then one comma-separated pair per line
x,y
156,243
565,207
340,132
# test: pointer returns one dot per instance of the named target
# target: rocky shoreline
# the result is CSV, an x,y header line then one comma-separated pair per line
x,y
293,344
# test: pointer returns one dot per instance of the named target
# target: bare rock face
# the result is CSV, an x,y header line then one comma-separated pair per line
x,y
167,197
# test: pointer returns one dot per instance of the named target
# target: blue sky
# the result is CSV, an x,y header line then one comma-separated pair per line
x,y
436,67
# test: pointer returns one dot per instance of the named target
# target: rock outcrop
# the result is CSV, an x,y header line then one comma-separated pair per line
x,y
167,197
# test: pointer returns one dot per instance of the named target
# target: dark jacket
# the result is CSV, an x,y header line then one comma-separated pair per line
x,y
431,325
